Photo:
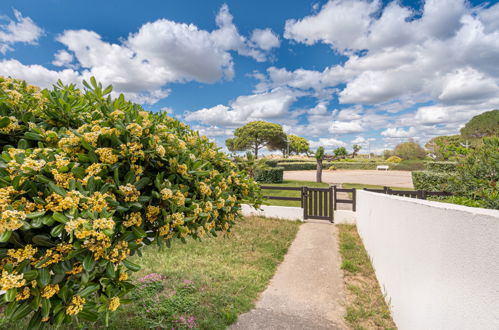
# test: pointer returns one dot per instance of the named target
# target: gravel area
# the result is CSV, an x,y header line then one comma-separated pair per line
x,y
382,178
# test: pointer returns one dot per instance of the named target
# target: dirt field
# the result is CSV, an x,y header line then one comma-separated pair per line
x,y
382,178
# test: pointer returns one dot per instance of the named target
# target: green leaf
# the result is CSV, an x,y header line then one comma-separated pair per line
x,y
88,315
138,232
43,277
35,214
45,307
142,183
4,122
21,312
130,265
89,289
10,295
88,262
5,236
55,188
59,217
43,240
57,230
30,275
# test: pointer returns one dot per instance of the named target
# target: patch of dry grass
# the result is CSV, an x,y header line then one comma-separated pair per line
x,y
366,307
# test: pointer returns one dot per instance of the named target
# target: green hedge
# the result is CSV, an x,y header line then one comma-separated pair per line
x,y
441,166
269,175
432,181
298,166
410,165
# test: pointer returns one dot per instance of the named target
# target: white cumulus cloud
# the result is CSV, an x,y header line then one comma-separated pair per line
x,y
20,29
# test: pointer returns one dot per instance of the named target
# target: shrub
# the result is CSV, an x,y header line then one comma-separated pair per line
x,y
441,166
332,168
271,162
298,166
460,200
478,174
409,150
269,174
410,165
85,182
432,181
394,159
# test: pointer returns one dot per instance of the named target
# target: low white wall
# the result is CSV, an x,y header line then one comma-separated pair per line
x,y
438,263
345,217
271,211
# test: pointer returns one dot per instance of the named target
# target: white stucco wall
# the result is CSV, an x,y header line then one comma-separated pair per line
x,y
271,211
438,263
345,217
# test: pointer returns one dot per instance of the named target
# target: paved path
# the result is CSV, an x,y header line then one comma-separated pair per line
x,y
382,178
307,290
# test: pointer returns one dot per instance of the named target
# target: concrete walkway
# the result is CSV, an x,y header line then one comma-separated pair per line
x,y
307,290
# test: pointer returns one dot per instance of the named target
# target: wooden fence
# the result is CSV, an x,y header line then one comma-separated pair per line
x,y
419,194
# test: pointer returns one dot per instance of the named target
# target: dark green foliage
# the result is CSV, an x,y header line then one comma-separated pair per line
x,y
441,166
269,174
256,135
485,124
478,174
409,150
432,181
410,165
341,151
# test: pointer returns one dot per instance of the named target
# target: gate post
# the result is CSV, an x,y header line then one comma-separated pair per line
x,y
354,200
304,201
334,193
331,207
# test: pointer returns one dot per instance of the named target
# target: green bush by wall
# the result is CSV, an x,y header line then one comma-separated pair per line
x,y
410,165
269,174
432,181
441,166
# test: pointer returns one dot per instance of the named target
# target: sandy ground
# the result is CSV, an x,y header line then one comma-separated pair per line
x,y
307,290
382,178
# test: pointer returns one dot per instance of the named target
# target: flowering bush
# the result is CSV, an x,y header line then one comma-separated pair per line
x,y
85,182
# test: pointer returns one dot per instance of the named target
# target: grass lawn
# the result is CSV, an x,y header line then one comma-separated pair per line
x,y
365,306
370,186
289,193
203,285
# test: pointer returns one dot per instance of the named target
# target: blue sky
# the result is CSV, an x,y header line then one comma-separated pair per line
x,y
338,72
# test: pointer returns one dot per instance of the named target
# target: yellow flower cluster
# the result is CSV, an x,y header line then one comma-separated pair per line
x,y
182,169
22,254
10,281
131,193
106,155
178,219
97,201
24,294
50,290
133,150
166,194
57,203
133,219
119,252
179,198
11,127
204,189
123,276
11,220
152,213
135,129
114,303
103,223
76,305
